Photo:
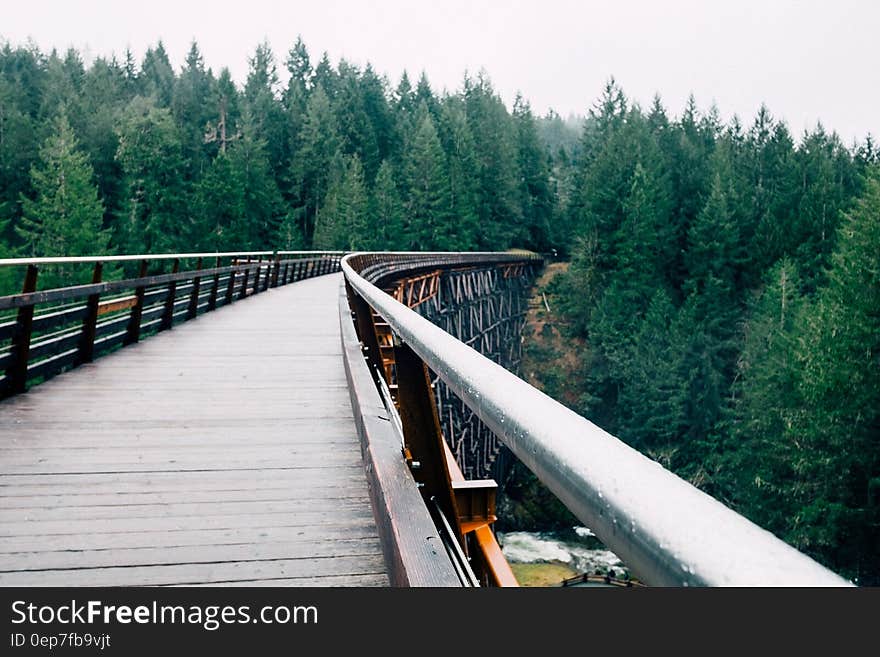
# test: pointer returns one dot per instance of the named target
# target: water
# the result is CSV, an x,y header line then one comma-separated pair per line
x,y
577,547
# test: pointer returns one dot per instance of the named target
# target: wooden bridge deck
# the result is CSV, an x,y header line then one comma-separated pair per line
x,y
222,452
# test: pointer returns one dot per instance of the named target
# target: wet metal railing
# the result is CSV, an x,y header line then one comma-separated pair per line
x,y
666,530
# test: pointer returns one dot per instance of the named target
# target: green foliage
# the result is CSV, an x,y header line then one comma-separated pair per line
x,y
64,217
239,206
498,211
535,197
838,424
730,327
341,225
386,219
311,165
153,216
430,225
458,143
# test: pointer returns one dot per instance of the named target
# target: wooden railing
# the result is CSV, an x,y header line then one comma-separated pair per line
x,y
46,331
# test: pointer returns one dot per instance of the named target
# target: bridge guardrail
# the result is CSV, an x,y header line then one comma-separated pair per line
x,y
48,331
666,530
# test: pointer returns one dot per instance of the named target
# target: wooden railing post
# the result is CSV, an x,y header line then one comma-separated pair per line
x,y
270,273
168,315
230,288
133,331
265,277
257,275
193,308
284,275
276,269
212,300
16,374
247,271
90,321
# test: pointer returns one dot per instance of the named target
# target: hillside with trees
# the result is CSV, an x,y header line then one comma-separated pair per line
x,y
724,285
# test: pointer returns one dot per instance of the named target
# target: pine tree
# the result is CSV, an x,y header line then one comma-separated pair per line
x,y
355,127
386,213
20,130
711,310
192,106
536,200
295,98
65,216
266,111
755,468
826,184
220,207
224,115
766,228
154,217
311,165
374,92
342,225
458,143
157,77
429,222
264,207
499,213
325,77
299,67
837,428
652,395
103,96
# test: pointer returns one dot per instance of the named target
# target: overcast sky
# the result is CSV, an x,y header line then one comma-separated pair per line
x,y
807,60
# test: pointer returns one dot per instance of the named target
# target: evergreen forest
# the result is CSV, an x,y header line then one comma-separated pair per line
x,y
722,298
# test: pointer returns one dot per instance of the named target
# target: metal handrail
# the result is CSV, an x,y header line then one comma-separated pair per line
x,y
666,530
10,262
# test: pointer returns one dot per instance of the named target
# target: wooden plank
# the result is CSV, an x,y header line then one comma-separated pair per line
x,y
139,483
306,518
111,541
82,443
190,573
167,555
150,511
329,581
189,466
57,502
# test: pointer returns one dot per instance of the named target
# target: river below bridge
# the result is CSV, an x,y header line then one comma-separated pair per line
x,y
546,558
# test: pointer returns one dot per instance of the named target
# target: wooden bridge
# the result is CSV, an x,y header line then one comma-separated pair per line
x,y
295,438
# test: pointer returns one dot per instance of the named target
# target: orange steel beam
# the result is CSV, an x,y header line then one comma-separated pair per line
x,y
494,563
415,290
